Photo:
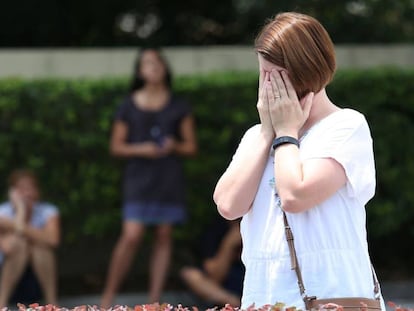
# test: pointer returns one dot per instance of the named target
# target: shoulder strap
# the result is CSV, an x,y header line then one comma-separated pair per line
x,y
295,265
293,259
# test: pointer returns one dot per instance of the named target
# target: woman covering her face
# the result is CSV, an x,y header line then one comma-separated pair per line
x,y
308,158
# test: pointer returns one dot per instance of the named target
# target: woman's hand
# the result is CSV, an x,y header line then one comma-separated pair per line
x,y
168,146
18,203
155,151
263,105
16,199
9,243
151,150
287,114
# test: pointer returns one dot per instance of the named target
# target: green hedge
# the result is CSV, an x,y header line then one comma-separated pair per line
x,y
61,127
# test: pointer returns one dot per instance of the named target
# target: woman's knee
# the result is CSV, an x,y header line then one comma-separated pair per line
x,y
15,246
163,234
41,253
190,274
132,234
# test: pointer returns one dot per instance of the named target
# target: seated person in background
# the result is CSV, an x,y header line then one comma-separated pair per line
x,y
220,279
29,235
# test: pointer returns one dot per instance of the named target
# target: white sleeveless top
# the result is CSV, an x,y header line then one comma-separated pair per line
x,y
330,238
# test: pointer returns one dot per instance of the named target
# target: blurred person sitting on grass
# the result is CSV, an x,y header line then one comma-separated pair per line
x,y
29,235
219,279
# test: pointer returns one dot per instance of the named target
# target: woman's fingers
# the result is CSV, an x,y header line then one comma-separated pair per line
x,y
265,92
289,87
15,197
261,78
281,88
275,88
262,88
307,105
269,93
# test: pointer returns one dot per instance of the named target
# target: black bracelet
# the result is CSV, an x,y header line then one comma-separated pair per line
x,y
284,140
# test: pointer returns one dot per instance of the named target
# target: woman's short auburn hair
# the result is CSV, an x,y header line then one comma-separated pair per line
x,y
301,45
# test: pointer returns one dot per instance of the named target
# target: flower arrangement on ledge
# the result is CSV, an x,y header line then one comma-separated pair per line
x,y
168,307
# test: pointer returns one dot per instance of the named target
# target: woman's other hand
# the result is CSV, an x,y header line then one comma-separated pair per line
x,y
19,205
16,199
168,146
151,150
287,114
263,105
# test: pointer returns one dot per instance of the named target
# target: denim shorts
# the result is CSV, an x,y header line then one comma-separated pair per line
x,y
154,212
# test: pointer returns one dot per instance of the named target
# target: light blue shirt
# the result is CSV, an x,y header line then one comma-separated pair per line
x,y
41,213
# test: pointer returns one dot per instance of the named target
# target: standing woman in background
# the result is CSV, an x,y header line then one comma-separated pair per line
x,y
152,130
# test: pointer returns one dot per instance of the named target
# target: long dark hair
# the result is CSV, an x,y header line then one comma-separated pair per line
x,y
137,82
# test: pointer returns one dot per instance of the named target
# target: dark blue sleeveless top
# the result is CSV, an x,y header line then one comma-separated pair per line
x,y
153,180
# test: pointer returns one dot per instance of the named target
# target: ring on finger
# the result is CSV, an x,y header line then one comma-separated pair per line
x,y
277,96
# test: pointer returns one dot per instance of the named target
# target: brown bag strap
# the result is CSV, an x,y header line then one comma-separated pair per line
x,y
293,259
295,265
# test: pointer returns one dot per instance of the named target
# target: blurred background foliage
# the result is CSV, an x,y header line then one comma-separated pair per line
x,y
60,128
109,23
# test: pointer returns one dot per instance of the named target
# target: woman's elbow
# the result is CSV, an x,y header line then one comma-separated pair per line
x,y
223,209
288,207
112,150
229,206
293,205
194,150
54,242
115,150
54,239
226,209
190,150
226,213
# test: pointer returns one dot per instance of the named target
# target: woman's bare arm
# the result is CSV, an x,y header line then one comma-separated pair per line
x,y
188,144
119,147
7,225
237,187
49,235
300,185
